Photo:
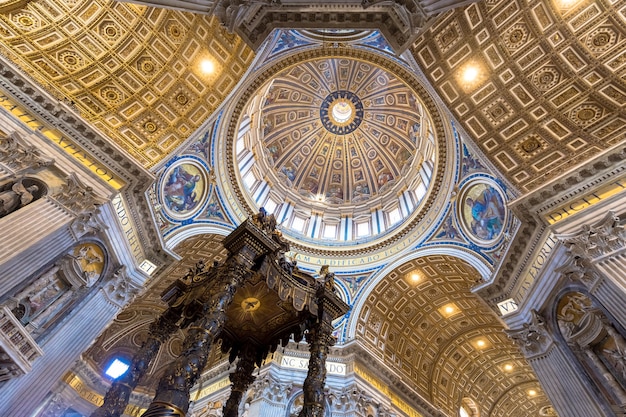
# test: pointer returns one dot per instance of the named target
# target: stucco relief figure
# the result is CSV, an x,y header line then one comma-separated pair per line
x,y
16,197
297,406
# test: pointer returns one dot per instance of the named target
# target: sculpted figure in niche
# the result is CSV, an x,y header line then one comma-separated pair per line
x,y
88,262
16,197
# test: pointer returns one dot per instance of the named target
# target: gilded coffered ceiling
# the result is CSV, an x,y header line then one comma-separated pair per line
x,y
145,77
424,323
551,88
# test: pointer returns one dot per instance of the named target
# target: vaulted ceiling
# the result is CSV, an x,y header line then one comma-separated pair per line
x,y
550,95
552,88
134,72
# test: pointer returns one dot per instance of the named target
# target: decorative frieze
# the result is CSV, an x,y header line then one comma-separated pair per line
x,y
253,20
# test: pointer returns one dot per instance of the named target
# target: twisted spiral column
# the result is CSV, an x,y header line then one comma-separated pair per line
x,y
116,399
241,380
320,339
172,397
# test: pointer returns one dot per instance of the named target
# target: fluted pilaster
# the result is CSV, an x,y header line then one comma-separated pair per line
x,y
612,298
614,268
22,396
564,385
31,237
567,387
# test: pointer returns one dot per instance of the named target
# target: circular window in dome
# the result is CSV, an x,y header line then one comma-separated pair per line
x,y
342,111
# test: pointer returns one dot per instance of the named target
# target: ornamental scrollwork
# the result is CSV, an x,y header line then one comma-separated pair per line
x,y
533,338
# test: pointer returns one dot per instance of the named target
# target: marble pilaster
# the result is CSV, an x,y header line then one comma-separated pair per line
x,y
22,396
32,238
562,381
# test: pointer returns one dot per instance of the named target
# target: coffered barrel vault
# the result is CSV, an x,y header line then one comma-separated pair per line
x,y
457,165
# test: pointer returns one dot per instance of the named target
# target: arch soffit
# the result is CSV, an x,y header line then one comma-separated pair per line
x,y
470,258
194,230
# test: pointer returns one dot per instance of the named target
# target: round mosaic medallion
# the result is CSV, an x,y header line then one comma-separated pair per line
x,y
341,112
482,211
184,188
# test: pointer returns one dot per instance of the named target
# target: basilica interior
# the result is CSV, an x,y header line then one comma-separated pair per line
x,y
449,175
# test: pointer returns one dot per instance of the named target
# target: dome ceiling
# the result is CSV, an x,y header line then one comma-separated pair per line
x,y
340,130
328,141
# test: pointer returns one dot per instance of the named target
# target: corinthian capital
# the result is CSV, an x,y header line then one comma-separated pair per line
x,y
77,197
119,289
600,239
579,269
19,156
533,338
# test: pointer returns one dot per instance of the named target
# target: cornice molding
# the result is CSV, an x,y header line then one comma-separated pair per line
x,y
60,116
579,181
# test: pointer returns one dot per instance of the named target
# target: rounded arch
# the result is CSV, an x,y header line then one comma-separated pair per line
x,y
130,328
183,233
296,402
469,408
471,258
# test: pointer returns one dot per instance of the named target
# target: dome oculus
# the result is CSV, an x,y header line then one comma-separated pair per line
x,y
341,112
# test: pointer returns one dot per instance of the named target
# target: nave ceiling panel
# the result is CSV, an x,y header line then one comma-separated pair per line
x,y
134,72
550,93
444,341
